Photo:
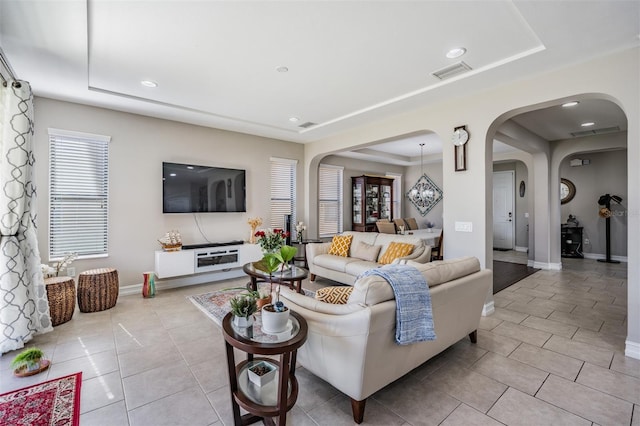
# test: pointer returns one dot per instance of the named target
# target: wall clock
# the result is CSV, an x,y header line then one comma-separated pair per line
x,y
567,191
460,138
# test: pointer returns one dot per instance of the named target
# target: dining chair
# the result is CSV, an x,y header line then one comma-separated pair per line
x,y
437,252
386,227
411,222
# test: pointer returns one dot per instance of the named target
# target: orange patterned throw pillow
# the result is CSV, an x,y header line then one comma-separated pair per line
x,y
394,251
336,295
340,245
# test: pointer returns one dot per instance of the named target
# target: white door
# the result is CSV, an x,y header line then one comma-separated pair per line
x,y
503,210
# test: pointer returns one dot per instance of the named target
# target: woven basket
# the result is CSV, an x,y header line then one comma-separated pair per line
x,y
61,293
97,289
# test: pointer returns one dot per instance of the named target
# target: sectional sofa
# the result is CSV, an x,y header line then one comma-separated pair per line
x,y
367,248
352,346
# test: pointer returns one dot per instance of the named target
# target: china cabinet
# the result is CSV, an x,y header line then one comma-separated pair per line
x,y
372,201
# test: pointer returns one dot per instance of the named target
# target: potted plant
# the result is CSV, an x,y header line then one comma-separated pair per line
x,y
243,307
29,362
275,316
262,373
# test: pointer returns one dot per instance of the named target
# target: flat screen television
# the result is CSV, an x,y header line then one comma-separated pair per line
x,y
189,188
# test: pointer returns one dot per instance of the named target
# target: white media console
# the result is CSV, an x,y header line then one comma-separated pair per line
x,y
221,257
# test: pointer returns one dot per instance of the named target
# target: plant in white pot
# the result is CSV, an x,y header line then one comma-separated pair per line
x,y
243,307
276,316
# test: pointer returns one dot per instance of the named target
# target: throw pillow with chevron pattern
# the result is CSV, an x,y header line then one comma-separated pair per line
x,y
340,245
336,295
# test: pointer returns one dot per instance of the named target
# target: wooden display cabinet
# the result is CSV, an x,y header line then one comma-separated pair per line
x,y
372,201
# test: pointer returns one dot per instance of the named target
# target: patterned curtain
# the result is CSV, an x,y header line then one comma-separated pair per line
x,y
24,309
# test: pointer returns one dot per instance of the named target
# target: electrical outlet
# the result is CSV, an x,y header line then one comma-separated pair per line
x,y
71,271
586,241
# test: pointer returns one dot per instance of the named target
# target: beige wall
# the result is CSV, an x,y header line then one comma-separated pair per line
x,y
138,146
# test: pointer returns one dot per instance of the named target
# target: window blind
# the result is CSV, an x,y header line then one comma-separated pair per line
x,y
78,194
330,199
283,191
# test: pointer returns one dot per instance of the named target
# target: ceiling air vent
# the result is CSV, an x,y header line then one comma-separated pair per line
x,y
307,125
451,70
595,131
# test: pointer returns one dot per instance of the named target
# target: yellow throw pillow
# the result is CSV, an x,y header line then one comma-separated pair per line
x,y
336,295
394,251
340,245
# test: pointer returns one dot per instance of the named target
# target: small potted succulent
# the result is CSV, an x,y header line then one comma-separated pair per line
x,y
29,362
275,316
243,306
262,373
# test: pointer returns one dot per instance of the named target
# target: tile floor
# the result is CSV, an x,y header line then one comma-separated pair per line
x,y
552,353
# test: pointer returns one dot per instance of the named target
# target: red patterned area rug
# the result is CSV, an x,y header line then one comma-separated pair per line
x,y
52,403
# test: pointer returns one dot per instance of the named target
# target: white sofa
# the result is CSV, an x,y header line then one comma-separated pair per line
x,y
352,346
346,269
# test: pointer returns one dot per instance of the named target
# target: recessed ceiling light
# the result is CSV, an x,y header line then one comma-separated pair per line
x,y
190,167
172,174
282,69
456,52
570,104
294,119
149,83
587,124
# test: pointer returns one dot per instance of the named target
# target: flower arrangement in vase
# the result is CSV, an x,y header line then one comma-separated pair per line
x,y
271,240
61,265
300,228
254,222
275,316
430,226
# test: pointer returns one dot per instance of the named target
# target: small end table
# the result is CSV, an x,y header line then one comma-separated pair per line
x,y
303,243
292,277
273,399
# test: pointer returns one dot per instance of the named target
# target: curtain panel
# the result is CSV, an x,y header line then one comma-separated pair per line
x,y
24,309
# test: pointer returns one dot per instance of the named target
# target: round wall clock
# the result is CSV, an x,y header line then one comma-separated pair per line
x,y
460,136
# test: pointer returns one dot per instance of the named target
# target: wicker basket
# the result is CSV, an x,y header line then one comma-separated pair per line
x,y
97,289
61,293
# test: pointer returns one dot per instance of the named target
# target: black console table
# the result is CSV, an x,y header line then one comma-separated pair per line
x,y
571,241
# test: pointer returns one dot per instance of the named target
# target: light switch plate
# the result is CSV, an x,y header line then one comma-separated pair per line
x,y
464,227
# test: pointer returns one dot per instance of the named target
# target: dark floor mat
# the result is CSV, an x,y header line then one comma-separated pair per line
x,y
507,273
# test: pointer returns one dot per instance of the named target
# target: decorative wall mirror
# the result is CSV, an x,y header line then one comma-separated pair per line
x,y
567,191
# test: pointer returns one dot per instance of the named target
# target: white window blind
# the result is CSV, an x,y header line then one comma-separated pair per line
x,y
78,194
330,199
283,191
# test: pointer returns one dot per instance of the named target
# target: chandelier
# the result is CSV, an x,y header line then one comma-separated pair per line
x,y
425,194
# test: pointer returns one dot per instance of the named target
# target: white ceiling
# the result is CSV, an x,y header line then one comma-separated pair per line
x,y
349,63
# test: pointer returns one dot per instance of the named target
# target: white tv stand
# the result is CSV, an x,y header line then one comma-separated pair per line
x,y
220,257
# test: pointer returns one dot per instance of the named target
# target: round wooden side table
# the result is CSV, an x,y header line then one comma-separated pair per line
x,y
61,293
272,399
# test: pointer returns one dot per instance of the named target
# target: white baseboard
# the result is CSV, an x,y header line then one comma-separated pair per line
x,y
547,266
597,256
185,281
522,249
488,309
632,349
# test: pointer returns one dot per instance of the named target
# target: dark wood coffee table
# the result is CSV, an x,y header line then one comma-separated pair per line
x,y
292,277
277,397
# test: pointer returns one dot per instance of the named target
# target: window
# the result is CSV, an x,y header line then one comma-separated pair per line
x,y
330,186
398,196
78,194
283,191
